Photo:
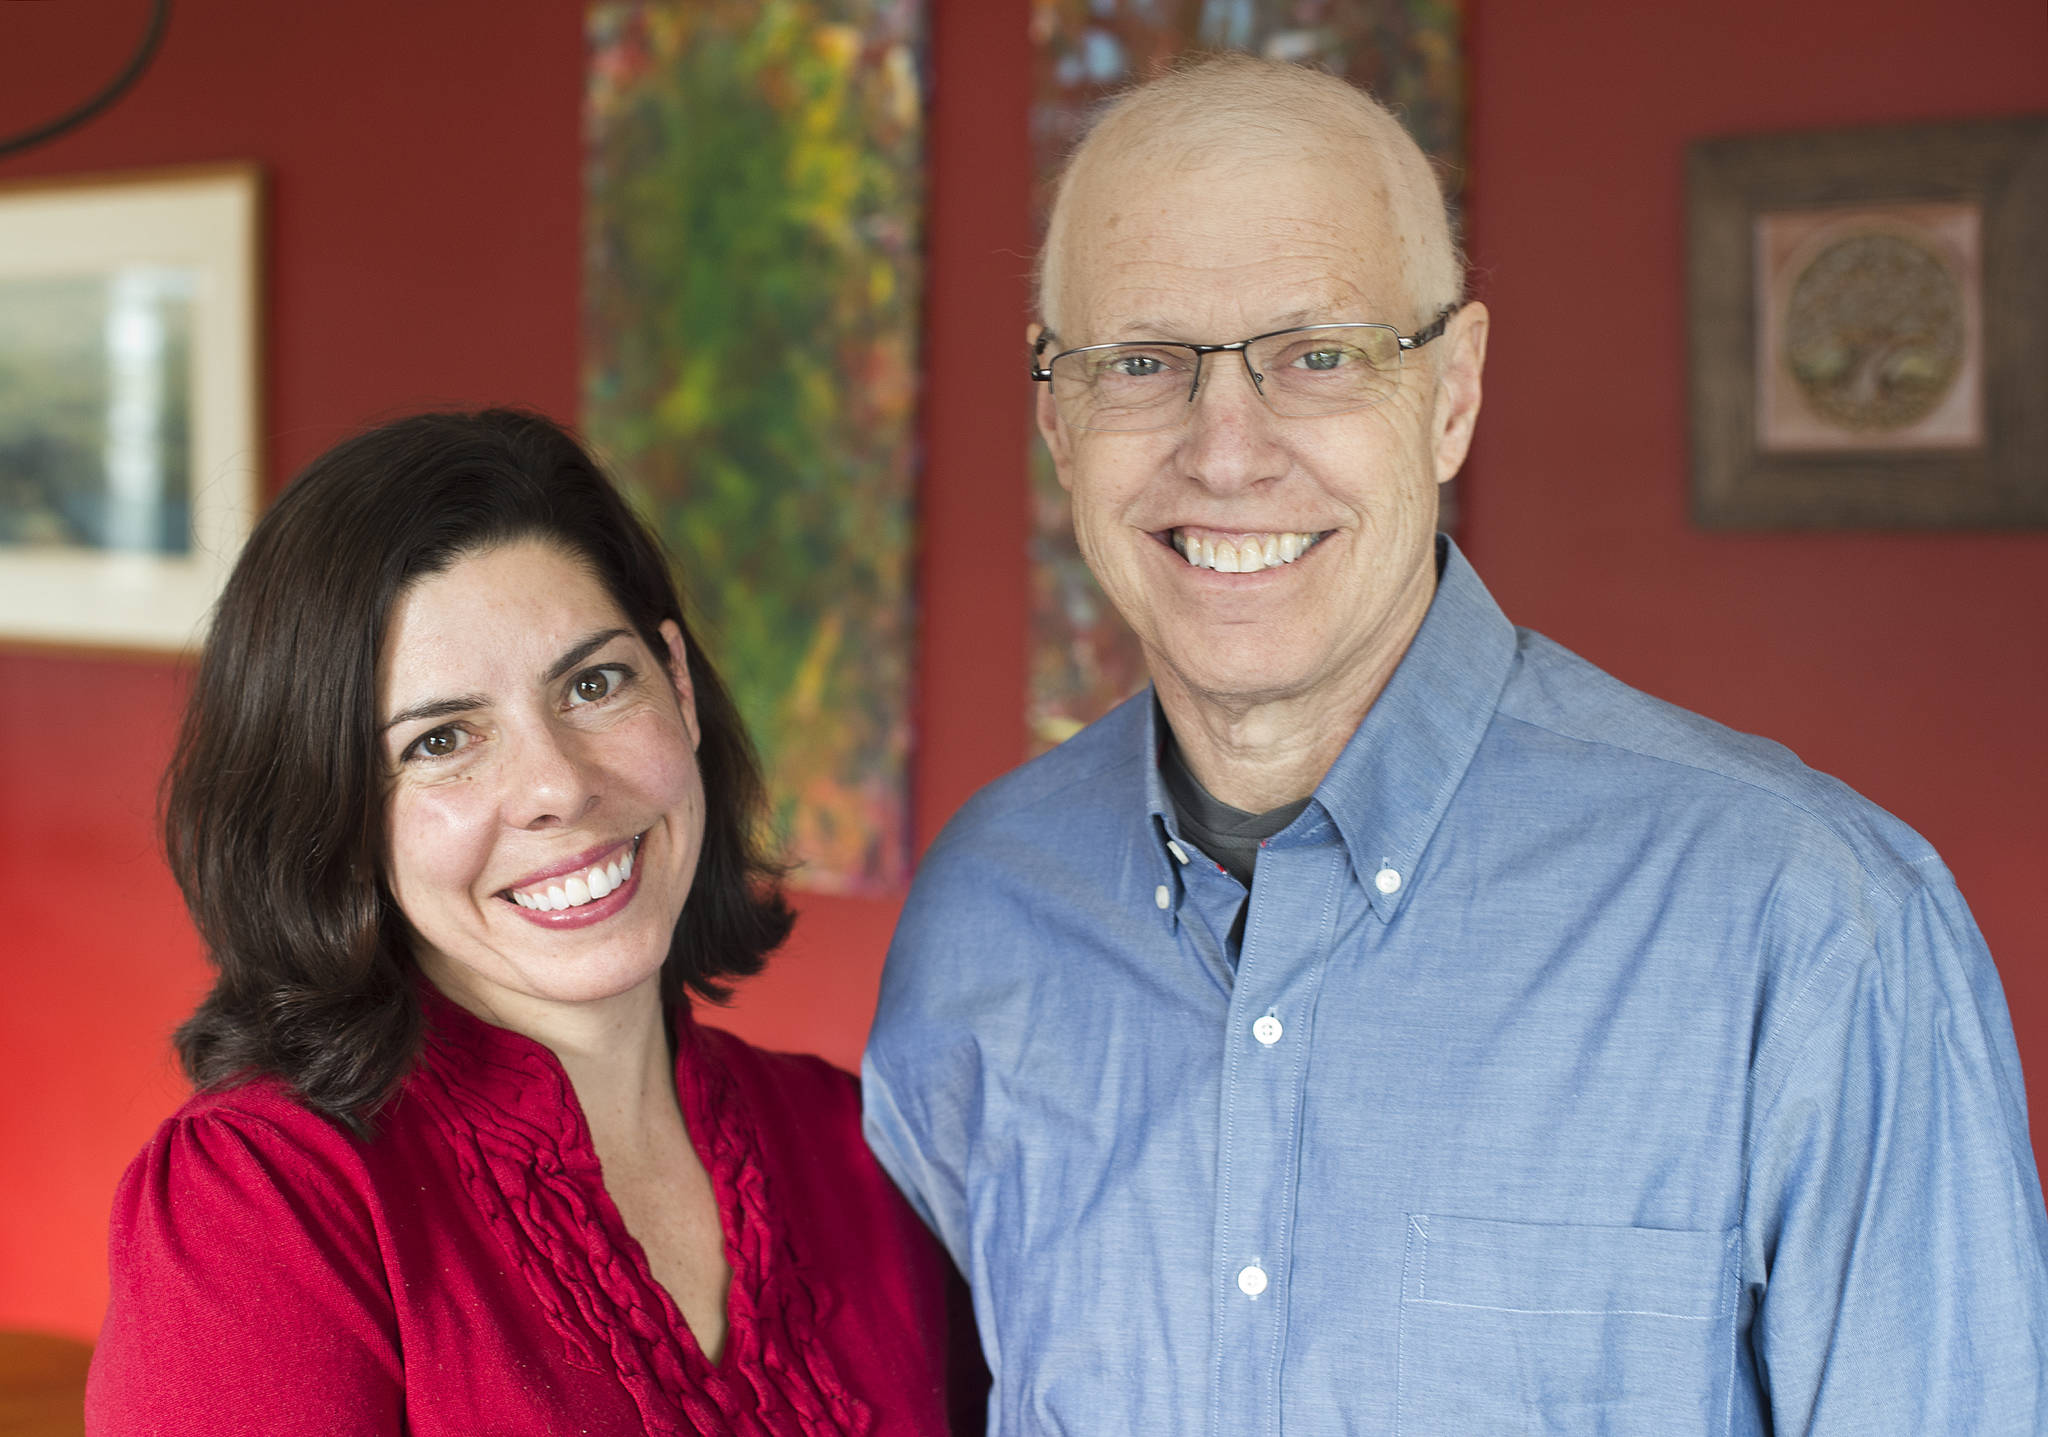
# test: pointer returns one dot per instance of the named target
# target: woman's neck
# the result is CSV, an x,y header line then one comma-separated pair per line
x,y
615,1051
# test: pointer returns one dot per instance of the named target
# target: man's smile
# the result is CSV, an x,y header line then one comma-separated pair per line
x,y
1243,552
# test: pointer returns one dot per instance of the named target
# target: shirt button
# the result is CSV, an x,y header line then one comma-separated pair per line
x,y
1267,1030
1161,896
1252,1280
1387,881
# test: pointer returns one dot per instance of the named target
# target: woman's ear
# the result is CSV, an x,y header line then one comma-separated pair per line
x,y
679,674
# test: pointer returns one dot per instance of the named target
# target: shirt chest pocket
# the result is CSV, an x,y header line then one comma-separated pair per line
x,y
1511,1327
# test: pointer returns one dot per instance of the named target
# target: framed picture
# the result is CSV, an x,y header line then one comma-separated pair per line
x,y
128,458
1869,327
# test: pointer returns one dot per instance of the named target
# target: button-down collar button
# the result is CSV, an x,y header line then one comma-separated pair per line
x,y
1267,1030
1176,850
1251,1281
1161,896
1387,881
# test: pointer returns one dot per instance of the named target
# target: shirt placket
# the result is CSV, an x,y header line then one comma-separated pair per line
x,y
1265,1072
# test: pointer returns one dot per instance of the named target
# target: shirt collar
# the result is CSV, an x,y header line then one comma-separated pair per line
x,y
1392,783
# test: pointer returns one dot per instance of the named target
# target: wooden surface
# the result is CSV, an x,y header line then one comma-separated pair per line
x,y
42,1385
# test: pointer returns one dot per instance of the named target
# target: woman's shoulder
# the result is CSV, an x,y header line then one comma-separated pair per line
x,y
256,1115
241,1155
766,1072
244,1240
801,1111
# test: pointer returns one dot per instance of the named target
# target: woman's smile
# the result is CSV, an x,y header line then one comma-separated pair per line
x,y
580,893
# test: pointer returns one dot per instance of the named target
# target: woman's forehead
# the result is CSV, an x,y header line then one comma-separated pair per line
x,y
493,612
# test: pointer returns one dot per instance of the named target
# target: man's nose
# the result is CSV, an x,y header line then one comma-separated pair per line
x,y
1231,438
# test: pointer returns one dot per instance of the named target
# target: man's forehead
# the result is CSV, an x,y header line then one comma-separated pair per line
x,y
1226,320
1151,250
1170,293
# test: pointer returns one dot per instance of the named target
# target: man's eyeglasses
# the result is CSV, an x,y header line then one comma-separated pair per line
x,y
1302,373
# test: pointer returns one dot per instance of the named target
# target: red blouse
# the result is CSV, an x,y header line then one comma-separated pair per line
x,y
465,1273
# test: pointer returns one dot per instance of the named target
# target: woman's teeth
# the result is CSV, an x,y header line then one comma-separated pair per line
x,y
1244,554
578,889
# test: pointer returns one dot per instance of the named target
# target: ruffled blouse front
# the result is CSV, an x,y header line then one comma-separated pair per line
x,y
467,1271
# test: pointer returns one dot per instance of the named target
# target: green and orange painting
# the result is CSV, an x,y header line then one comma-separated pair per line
x,y
754,213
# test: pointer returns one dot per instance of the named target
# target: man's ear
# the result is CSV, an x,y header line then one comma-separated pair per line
x,y
679,674
1458,388
1049,418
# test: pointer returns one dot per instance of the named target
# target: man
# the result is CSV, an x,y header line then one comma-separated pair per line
x,y
1391,1024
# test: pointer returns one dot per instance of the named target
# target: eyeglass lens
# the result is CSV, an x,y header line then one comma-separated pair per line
x,y
1300,374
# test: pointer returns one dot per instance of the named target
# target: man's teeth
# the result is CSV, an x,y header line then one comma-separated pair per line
x,y
578,888
1246,554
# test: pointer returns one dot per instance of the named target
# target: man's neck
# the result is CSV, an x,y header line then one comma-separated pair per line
x,y
1257,752
1258,756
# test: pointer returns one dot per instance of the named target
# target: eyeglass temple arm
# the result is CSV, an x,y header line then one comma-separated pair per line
x,y
1039,371
1435,328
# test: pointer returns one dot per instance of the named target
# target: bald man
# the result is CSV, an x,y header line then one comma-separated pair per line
x,y
1390,1024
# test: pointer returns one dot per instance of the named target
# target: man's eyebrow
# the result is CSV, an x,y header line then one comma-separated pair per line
x,y
1155,328
463,703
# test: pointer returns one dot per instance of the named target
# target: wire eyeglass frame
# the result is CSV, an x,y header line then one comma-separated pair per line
x,y
1042,369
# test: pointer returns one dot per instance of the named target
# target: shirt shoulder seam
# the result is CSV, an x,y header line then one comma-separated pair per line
x,y
1871,877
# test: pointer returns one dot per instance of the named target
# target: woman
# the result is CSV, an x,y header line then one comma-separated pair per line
x,y
464,816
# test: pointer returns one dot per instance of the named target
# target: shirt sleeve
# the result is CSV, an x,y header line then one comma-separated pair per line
x,y
916,1083
896,1135
248,1293
1894,1232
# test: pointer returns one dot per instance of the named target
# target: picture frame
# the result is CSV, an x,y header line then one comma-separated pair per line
x,y
129,463
1868,327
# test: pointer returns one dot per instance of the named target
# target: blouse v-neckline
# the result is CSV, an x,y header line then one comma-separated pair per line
x,y
530,1167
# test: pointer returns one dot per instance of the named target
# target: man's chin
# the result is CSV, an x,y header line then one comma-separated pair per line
x,y
1242,671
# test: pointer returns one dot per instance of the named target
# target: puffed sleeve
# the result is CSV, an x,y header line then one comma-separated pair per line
x,y
248,1292
1895,1234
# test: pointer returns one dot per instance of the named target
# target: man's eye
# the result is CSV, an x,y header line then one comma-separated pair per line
x,y
1135,366
1325,359
592,685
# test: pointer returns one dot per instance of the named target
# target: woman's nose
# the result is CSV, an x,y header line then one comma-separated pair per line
x,y
550,781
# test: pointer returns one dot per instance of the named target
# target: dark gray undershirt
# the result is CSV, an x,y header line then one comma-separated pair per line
x,y
1229,835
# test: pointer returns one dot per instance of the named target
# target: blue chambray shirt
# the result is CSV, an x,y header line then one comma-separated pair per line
x,y
1586,1068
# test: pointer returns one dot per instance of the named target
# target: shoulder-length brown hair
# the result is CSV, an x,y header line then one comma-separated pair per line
x,y
274,803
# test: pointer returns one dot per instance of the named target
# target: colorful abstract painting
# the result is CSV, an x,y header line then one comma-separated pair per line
x,y
752,281
1410,53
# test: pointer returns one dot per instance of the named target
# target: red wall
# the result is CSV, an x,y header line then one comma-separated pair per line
x,y
1913,666
422,237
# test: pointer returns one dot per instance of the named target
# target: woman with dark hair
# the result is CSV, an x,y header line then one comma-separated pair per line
x,y
465,817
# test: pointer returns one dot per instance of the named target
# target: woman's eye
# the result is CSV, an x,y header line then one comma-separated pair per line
x,y
436,743
592,685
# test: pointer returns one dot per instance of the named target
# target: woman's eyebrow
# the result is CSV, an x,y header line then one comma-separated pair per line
x,y
584,650
449,707
433,709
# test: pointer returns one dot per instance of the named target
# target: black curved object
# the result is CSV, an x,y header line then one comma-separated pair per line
x,y
146,51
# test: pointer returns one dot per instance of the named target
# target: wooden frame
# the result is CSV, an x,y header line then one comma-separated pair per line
x,y
1796,424
128,484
